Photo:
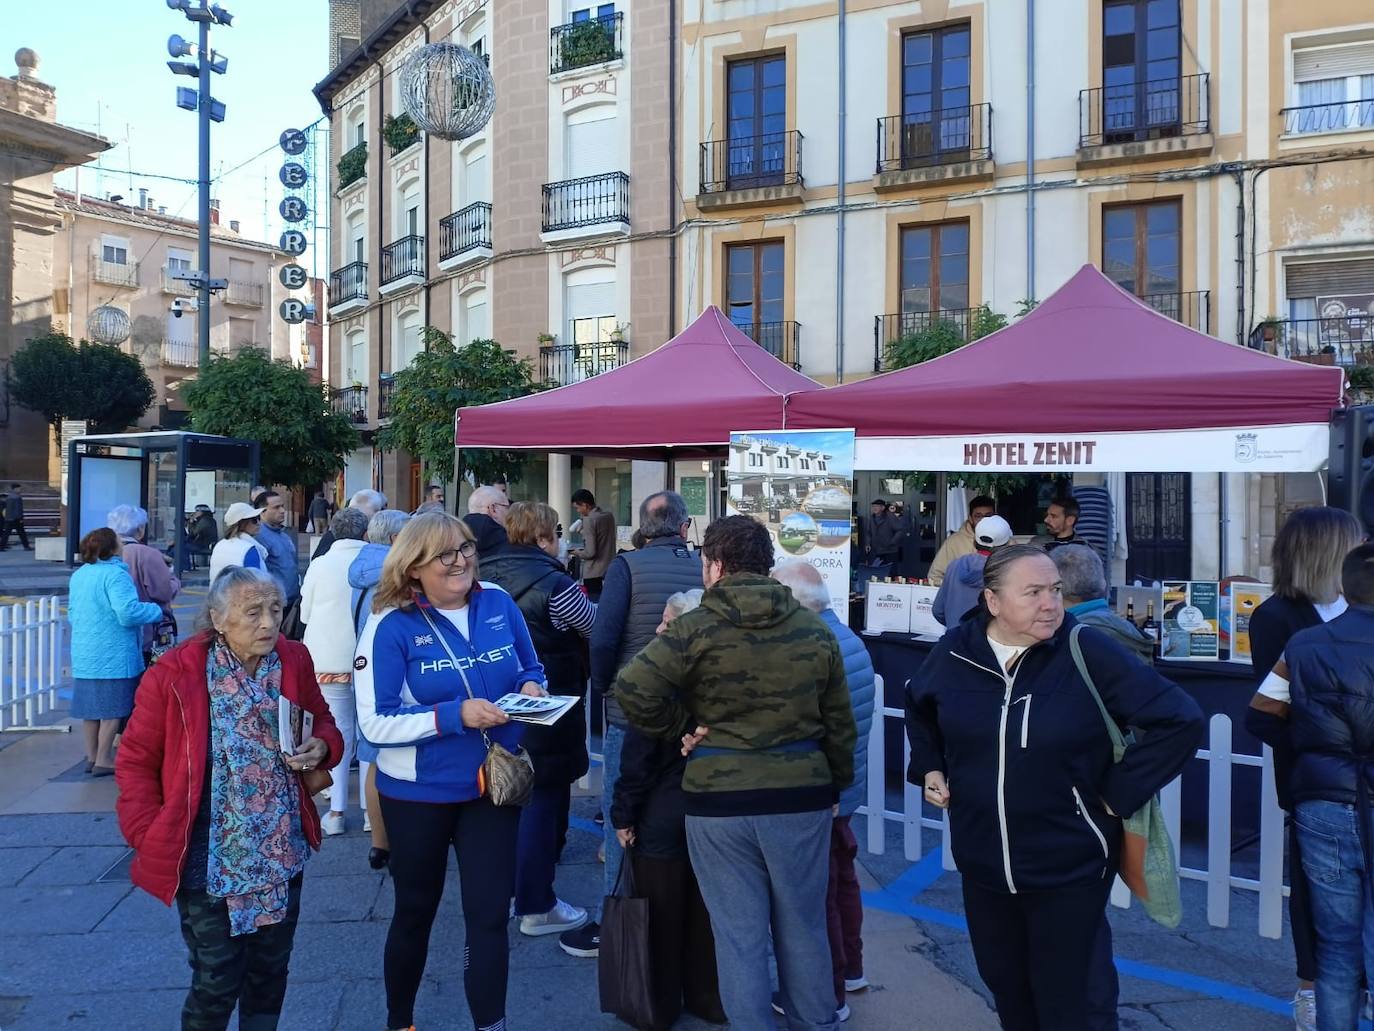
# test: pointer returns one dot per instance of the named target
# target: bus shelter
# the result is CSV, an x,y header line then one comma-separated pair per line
x,y
176,476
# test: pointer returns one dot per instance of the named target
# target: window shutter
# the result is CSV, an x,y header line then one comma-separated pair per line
x,y
1327,278
1333,62
591,148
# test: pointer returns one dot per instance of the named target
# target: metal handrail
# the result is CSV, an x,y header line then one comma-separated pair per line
x,y
919,139
750,162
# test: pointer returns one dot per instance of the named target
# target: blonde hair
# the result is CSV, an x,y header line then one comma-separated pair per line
x,y
421,540
1309,550
527,521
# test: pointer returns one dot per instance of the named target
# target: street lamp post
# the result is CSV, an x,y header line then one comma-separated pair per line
x,y
207,109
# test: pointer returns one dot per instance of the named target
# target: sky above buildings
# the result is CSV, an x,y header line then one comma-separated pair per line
x,y
108,61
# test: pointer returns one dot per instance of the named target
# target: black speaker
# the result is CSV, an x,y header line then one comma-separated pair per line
x,y
1350,471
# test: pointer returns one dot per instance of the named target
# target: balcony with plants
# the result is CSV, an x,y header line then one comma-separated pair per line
x,y
400,132
597,345
586,44
352,166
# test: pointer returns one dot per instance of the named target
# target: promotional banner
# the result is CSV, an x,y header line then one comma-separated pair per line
x,y
1256,449
799,484
1191,620
1245,598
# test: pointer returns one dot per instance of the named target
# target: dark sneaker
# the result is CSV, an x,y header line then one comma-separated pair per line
x,y
585,941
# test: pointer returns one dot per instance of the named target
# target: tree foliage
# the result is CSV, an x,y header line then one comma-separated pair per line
x,y
97,383
273,402
941,336
443,379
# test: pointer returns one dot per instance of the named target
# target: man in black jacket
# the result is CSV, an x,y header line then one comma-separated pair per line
x,y
637,586
1319,699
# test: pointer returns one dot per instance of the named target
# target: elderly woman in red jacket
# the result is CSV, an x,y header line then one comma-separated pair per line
x,y
218,813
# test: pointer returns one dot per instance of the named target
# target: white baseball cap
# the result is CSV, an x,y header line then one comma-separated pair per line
x,y
992,532
241,510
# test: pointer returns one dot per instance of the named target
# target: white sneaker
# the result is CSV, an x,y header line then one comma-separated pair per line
x,y
562,917
842,1014
367,822
333,823
1305,1010
855,984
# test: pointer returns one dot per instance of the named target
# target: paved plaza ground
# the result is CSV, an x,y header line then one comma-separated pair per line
x,y
81,948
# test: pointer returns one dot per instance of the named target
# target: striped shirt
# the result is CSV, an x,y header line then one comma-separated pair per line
x,y
571,609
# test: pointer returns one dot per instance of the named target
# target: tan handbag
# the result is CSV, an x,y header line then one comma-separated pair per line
x,y
506,777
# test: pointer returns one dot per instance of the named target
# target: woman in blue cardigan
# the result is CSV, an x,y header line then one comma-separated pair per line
x,y
438,650
107,644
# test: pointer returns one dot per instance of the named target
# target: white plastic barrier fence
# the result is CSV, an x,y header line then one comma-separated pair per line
x,y
1217,875
30,661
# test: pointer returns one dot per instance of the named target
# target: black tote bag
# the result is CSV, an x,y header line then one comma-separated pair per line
x,y
624,967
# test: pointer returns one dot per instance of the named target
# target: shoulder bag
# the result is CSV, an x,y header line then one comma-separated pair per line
x,y
506,777
1149,864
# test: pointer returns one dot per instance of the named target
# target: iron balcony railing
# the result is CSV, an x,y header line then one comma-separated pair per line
x,y
386,386
348,284
1343,116
114,273
589,201
249,294
888,329
350,401
749,162
921,139
352,165
581,44
780,339
1342,340
1134,112
465,229
184,354
1193,308
179,287
572,363
403,257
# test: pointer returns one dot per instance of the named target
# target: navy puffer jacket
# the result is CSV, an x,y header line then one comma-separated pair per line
x,y
1331,671
858,674
1027,757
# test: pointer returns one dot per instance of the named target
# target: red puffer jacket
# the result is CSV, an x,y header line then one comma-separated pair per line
x,y
160,765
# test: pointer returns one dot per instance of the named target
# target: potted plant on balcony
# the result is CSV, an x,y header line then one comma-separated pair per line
x,y
545,339
353,165
1269,328
399,131
618,334
588,42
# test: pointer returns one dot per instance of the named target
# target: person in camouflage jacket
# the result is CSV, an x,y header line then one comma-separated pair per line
x,y
754,685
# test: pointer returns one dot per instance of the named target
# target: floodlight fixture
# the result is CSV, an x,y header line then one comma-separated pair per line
x,y
178,47
216,110
186,98
220,15
183,68
219,64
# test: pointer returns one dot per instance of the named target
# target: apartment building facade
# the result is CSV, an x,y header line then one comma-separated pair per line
x,y
128,254
1211,156
546,231
33,146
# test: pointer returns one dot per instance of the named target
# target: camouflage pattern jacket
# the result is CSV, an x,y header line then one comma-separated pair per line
x,y
766,676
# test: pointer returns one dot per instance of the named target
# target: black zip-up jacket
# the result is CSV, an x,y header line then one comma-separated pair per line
x,y
648,795
1028,759
1332,716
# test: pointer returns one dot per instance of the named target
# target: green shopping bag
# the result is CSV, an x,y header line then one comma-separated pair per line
x,y
1149,864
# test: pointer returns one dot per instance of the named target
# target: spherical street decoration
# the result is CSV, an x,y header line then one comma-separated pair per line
x,y
108,325
448,90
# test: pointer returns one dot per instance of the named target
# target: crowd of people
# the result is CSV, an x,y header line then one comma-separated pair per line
x,y
737,707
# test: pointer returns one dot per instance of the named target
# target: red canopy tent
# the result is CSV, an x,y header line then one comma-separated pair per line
x,y
1092,379
689,393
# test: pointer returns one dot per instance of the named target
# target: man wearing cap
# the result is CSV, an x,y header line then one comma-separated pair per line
x,y
958,594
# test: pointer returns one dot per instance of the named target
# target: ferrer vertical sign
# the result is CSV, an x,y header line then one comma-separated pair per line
x,y
799,484
294,210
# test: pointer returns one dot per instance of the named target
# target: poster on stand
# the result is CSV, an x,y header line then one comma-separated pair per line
x,y
1245,598
1191,626
799,484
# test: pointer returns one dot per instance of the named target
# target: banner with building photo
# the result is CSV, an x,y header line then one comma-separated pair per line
x,y
799,484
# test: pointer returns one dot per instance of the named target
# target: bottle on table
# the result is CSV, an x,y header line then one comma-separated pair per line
x,y
1151,627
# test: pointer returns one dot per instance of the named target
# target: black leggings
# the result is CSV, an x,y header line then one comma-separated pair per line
x,y
483,838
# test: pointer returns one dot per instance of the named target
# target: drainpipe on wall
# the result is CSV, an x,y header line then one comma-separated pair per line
x,y
672,168
839,217
1030,149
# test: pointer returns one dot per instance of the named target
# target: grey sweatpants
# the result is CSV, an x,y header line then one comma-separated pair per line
x,y
762,873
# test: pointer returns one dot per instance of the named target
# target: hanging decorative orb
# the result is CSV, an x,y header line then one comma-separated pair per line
x,y
108,325
448,90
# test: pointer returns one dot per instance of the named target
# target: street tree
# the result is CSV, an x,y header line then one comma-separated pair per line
x,y
303,442
96,383
443,379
